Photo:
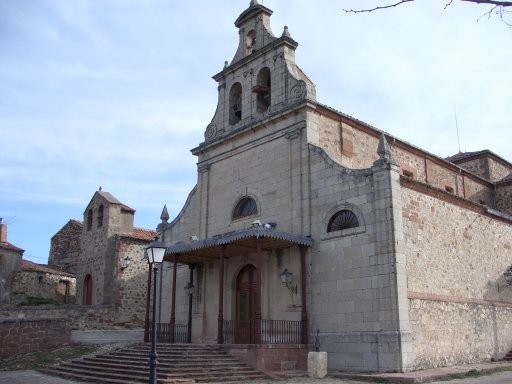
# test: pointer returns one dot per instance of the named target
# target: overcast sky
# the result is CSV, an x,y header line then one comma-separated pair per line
x,y
115,93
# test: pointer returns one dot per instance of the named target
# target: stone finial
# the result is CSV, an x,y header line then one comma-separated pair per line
x,y
225,64
384,152
253,3
286,33
165,215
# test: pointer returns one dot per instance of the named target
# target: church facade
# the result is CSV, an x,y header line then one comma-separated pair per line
x,y
309,227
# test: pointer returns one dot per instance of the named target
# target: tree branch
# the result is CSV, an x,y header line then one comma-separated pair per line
x,y
448,4
491,2
377,8
494,3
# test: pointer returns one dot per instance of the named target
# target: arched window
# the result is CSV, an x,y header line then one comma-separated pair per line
x,y
262,90
89,219
343,219
87,298
100,216
235,104
245,207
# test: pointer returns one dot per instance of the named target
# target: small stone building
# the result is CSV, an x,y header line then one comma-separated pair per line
x,y
110,269
22,281
309,225
34,281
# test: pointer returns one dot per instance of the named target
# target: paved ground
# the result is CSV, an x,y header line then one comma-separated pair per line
x,y
430,376
30,377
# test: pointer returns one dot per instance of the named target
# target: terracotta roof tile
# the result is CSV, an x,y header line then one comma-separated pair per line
x,y
465,155
30,266
10,247
461,156
141,234
145,234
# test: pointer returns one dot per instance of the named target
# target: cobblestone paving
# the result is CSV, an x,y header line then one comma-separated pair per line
x,y
30,377
33,377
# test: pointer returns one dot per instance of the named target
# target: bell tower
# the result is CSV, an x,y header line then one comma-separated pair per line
x,y
261,81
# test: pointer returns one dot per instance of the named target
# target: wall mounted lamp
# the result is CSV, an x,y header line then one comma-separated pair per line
x,y
190,289
508,275
125,263
287,281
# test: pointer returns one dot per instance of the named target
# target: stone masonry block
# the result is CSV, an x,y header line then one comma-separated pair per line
x,y
317,365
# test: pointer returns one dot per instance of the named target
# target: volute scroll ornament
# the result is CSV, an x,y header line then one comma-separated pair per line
x,y
298,91
211,131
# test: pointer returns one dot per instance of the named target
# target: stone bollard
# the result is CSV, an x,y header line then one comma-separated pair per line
x,y
317,365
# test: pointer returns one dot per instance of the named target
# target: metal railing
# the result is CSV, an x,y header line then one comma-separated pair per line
x,y
262,332
163,333
239,332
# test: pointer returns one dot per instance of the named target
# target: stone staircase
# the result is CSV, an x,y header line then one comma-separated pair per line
x,y
177,363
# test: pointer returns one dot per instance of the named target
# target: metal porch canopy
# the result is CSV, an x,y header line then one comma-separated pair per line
x,y
235,243
238,243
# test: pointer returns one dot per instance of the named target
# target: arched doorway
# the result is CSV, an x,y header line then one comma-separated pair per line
x,y
87,298
245,305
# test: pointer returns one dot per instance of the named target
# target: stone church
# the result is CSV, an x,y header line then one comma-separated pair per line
x,y
309,227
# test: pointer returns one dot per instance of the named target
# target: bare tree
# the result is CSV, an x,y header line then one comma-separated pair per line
x,y
500,8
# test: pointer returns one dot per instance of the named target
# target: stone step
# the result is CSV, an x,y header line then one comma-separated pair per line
x,y
108,360
107,377
192,363
134,357
170,355
165,366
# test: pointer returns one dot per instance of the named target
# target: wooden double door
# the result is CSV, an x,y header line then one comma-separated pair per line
x,y
246,297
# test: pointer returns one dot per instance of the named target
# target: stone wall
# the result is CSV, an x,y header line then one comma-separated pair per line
x,y
447,332
504,198
487,166
497,169
478,166
61,288
472,190
79,317
358,300
65,247
10,262
355,147
130,287
93,263
98,247
23,336
456,256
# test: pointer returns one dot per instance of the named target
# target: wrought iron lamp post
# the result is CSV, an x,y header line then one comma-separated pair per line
x,y
190,289
155,254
